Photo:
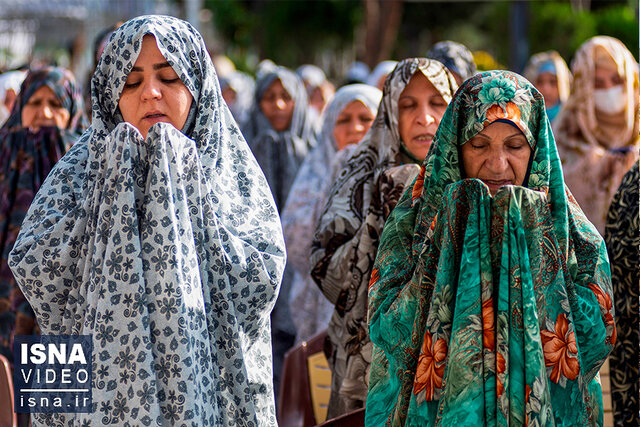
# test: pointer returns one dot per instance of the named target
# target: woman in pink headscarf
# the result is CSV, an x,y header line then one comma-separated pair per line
x,y
597,131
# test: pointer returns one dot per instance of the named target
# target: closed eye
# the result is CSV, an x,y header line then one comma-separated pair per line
x,y
438,102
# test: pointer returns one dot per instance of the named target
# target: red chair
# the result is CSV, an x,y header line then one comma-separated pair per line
x,y
305,385
351,419
8,417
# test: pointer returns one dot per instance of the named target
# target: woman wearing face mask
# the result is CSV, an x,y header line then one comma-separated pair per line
x,y
345,122
490,298
159,229
550,75
46,120
597,131
414,99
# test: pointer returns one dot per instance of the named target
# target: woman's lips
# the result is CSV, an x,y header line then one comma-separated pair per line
x,y
426,138
154,117
43,123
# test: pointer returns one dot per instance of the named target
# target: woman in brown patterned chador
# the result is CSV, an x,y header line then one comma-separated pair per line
x,y
414,99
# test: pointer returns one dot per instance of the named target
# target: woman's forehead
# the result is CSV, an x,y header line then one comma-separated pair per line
x,y
43,91
149,52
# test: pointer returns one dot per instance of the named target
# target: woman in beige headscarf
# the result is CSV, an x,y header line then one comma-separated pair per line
x,y
550,75
597,131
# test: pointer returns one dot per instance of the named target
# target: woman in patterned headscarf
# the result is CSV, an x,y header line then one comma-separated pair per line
x,y
414,99
278,130
353,107
159,229
550,75
47,118
597,130
622,234
490,298
456,57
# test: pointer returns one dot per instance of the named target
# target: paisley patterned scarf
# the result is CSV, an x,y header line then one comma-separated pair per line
x,y
622,234
489,310
168,250
347,234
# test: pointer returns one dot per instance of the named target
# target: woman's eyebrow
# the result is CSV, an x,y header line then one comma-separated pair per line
x,y
155,67
515,135
161,65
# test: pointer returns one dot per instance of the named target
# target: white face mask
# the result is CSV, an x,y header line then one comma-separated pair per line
x,y
610,101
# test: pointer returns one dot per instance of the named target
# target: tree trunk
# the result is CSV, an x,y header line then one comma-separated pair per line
x,y
382,20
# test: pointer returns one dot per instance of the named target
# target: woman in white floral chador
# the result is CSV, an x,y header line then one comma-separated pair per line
x,y
157,234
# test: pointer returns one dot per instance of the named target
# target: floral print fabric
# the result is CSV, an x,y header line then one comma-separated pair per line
x,y
346,239
489,310
168,250
597,149
27,157
622,234
310,310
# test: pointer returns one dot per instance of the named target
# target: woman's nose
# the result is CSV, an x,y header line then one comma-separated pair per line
x,y
151,90
280,104
47,112
497,161
358,126
425,117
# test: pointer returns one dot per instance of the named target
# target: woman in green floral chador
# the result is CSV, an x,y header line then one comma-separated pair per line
x,y
490,298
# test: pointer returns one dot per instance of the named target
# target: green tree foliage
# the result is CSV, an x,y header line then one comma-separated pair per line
x,y
292,32
620,22
559,27
289,32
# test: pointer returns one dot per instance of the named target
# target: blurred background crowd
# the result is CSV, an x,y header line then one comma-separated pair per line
x,y
262,49
330,34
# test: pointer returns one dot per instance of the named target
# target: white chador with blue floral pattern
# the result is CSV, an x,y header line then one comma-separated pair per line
x,y
167,250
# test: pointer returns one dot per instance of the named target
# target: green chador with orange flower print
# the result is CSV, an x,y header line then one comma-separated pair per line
x,y
489,310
